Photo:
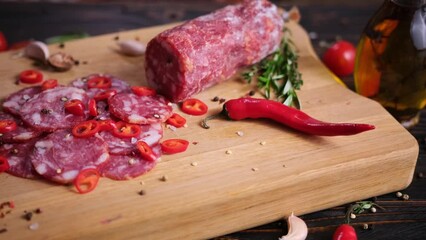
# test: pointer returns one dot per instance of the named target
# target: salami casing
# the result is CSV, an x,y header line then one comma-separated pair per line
x,y
17,157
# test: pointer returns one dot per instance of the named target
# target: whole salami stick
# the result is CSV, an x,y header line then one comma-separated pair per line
x,y
189,58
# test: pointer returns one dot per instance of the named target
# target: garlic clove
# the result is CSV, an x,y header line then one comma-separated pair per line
x,y
37,50
61,61
132,47
297,229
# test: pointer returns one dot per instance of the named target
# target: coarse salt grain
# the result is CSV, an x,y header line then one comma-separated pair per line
x,y
34,226
263,143
194,164
239,133
254,169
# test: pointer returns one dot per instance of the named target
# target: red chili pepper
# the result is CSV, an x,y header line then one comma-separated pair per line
x,y
4,164
75,107
145,151
86,129
30,76
107,125
176,120
143,91
345,232
7,125
19,45
102,82
105,95
3,42
93,109
194,106
126,130
49,84
87,180
171,146
243,108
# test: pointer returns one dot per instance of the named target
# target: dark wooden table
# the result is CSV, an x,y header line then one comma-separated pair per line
x,y
401,219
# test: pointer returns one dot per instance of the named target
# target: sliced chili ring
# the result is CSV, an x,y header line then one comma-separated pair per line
x,y
4,164
105,95
107,125
49,84
75,107
146,151
7,125
172,146
126,130
87,180
143,91
86,129
93,109
102,82
176,120
30,76
194,106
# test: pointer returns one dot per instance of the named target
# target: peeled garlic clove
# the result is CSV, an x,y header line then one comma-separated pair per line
x,y
37,50
297,229
131,47
61,61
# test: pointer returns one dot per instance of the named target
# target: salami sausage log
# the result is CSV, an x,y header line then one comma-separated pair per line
x,y
189,58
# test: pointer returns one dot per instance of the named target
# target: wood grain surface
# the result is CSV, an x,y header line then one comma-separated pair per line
x,y
294,172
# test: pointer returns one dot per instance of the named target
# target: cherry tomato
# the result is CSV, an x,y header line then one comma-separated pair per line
x,y
126,130
4,164
145,151
143,91
30,76
176,120
87,180
340,58
345,232
107,125
171,146
105,95
194,106
49,84
93,109
3,42
75,107
86,129
7,125
102,82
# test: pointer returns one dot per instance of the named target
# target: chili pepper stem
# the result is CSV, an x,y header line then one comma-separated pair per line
x,y
204,121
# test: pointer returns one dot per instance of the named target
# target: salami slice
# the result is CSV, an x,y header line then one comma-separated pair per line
x,y
116,83
60,156
151,134
17,156
46,111
125,167
22,133
189,58
15,101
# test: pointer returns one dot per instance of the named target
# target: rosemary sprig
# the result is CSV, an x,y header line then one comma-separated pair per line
x,y
279,73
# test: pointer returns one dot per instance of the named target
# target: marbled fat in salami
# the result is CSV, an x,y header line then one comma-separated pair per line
x,y
60,156
15,101
22,133
125,167
17,157
189,58
46,111
139,109
116,84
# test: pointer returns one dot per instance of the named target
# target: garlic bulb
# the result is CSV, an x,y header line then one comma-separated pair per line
x,y
132,47
297,229
37,50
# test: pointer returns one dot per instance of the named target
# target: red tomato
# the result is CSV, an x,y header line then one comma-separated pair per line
x,y
340,58
171,146
75,107
7,125
194,106
93,110
345,232
145,151
31,76
4,164
143,91
3,42
86,129
176,120
105,95
87,180
49,84
126,130
99,82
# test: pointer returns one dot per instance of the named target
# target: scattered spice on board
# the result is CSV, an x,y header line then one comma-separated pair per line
x,y
164,178
194,164
360,207
215,99
141,192
228,152
222,100
116,38
62,45
3,230
240,133
27,216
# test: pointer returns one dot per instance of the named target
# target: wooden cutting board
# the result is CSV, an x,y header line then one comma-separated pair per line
x,y
208,192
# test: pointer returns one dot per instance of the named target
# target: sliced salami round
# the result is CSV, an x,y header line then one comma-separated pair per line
x,y
46,111
60,156
140,109
150,133
116,83
125,167
15,101
22,133
17,156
